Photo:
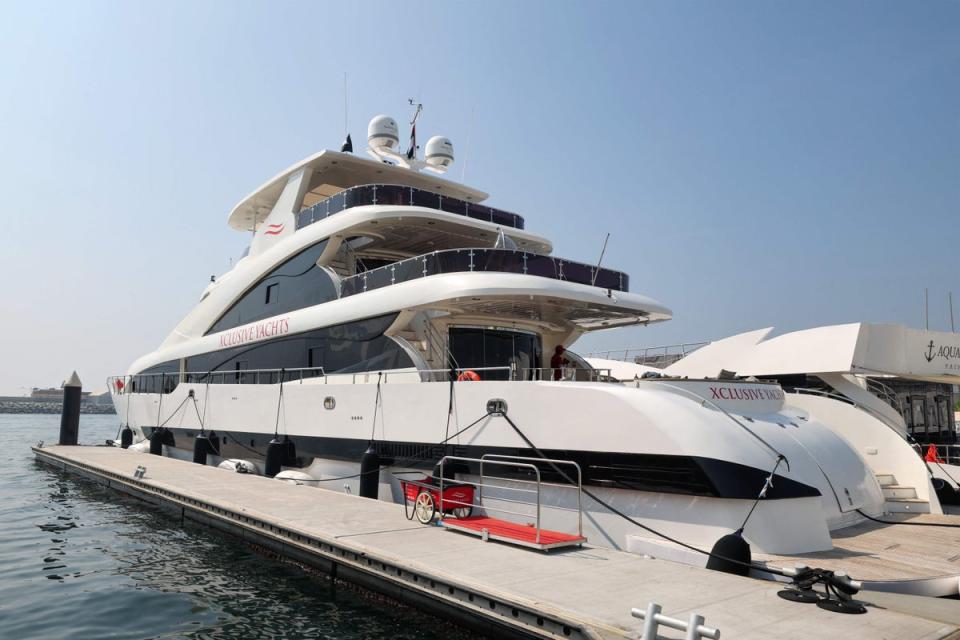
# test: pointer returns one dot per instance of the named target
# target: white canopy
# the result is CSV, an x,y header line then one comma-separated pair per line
x,y
870,349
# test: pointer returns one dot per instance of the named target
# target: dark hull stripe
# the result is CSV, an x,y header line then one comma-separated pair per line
x,y
687,475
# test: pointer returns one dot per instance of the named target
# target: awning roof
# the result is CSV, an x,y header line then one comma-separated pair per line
x,y
558,312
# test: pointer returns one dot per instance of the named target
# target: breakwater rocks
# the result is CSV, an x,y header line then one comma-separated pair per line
x,y
32,406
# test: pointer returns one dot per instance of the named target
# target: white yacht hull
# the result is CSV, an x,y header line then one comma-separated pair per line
x,y
651,423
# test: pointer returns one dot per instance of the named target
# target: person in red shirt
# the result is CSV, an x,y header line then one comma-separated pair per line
x,y
557,361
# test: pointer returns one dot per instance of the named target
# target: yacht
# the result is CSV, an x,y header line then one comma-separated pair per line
x,y
383,308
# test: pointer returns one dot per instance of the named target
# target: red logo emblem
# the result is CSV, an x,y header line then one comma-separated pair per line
x,y
273,229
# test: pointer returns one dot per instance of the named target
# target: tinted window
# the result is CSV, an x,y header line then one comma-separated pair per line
x,y
295,284
482,348
161,378
356,346
272,291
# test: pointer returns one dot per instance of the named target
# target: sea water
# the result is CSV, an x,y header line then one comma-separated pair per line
x,y
78,560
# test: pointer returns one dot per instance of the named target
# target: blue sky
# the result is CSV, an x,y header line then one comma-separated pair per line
x,y
756,163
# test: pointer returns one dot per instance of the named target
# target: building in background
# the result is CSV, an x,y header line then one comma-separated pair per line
x,y
53,394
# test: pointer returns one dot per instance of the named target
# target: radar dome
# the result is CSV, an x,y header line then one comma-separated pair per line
x,y
383,132
439,152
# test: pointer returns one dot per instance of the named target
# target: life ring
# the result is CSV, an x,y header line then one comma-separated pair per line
x,y
468,376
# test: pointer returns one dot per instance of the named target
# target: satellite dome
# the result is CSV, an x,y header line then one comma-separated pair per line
x,y
383,133
439,152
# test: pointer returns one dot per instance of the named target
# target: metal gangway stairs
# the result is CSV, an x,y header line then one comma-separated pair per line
x,y
525,534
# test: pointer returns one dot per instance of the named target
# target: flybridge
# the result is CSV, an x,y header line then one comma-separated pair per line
x,y
328,173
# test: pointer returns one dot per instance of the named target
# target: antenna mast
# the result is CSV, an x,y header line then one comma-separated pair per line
x,y
412,151
952,329
416,114
596,271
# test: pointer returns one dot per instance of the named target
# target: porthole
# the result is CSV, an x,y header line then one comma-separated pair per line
x,y
329,402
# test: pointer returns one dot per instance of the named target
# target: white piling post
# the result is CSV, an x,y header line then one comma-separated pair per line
x,y
650,624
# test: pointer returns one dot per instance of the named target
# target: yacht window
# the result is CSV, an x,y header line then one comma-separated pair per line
x,y
305,285
161,378
516,354
272,291
368,264
351,347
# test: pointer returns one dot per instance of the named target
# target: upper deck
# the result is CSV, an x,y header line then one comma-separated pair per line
x,y
332,172
390,194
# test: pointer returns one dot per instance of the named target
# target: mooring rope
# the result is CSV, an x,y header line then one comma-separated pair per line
x,y
276,424
762,495
376,405
913,524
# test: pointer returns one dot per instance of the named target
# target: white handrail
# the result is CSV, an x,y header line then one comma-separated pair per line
x,y
498,456
642,354
532,467
652,619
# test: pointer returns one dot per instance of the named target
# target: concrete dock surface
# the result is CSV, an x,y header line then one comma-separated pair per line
x,y
586,592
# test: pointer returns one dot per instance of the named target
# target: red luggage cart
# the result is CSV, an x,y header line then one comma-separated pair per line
x,y
424,496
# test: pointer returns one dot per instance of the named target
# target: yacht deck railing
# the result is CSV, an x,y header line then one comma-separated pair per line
x,y
652,356
485,260
167,382
392,194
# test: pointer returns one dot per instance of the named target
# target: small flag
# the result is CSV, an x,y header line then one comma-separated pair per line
x,y
347,146
412,151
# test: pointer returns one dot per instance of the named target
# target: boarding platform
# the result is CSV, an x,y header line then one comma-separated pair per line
x,y
528,475
457,504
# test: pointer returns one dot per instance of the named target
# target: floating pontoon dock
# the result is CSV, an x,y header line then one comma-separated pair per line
x,y
920,561
890,557
502,589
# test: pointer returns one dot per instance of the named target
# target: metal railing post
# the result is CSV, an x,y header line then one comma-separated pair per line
x,y
650,624
442,460
538,504
579,502
693,627
653,619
